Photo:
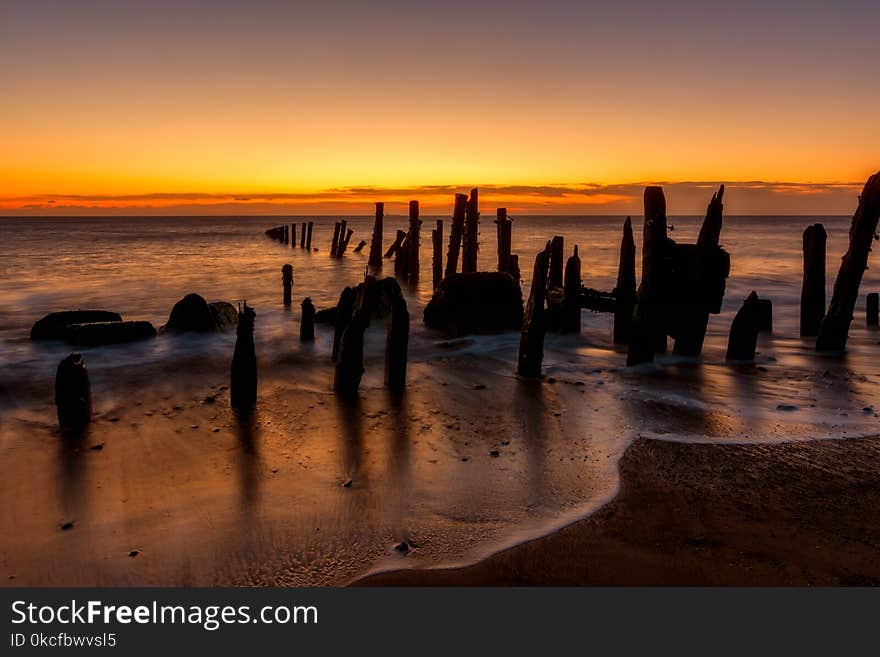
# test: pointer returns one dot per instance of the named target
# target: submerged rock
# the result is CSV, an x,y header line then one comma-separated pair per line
x,y
54,326
102,333
481,302
193,313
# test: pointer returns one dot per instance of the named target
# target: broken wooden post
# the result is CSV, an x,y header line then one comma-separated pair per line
x,y
531,341
395,246
557,250
514,268
743,339
302,235
350,358
504,233
293,235
813,286
437,256
343,316
73,394
287,281
243,374
343,243
336,229
309,237
307,321
872,309
397,337
625,291
456,233
401,259
471,233
765,315
571,308
360,246
412,241
648,333
376,240
835,327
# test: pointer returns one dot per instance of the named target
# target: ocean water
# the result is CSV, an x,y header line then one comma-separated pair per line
x,y
174,475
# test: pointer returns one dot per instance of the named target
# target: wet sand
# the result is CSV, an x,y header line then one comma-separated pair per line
x,y
799,513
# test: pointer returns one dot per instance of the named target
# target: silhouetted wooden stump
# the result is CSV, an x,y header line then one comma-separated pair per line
x,y
481,302
413,241
345,234
350,359
193,313
456,233
765,315
293,235
397,338
243,373
571,308
73,394
337,228
872,309
376,239
96,334
307,321
437,254
503,227
394,249
743,339
625,291
514,269
287,282
557,259
344,309
360,246
531,342
813,286
835,327
471,233
309,236
302,235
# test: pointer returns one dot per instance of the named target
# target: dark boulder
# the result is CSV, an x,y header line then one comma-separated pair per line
x,y
95,334
193,313
54,326
481,302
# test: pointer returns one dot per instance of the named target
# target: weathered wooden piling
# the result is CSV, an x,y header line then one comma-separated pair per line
x,y
302,235
413,240
503,229
437,254
350,359
872,309
309,236
557,259
293,235
243,373
531,341
743,339
835,326
397,337
287,281
571,306
625,290
765,315
395,245
471,233
344,243
401,258
344,308
813,286
337,227
73,394
307,321
376,240
286,234
360,246
456,233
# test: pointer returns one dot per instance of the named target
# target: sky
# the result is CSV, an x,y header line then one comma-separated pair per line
x,y
549,107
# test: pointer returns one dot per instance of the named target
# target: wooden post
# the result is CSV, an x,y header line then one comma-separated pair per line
x,y
360,246
471,233
648,334
307,321
437,260
336,229
872,309
293,235
397,338
571,312
287,281
395,246
531,341
302,235
350,357
557,250
309,237
456,233
243,374
412,241
514,268
343,226
835,327
343,243
765,315
376,240
813,286
344,309
743,339
402,257
503,229
73,394
625,291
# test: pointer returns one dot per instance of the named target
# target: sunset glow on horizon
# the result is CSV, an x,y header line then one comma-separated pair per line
x,y
181,108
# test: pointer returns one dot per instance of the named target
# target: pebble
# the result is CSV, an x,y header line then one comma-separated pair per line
x,y
347,483
67,526
402,547
494,453
134,553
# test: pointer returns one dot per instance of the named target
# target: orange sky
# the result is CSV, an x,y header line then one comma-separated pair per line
x,y
110,108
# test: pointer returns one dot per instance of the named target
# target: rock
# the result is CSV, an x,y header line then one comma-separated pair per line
x,y
97,448
67,526
193,313
347,483
134,553
326,316
481,302
96,334
786,407
494,453
54,325
402,547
